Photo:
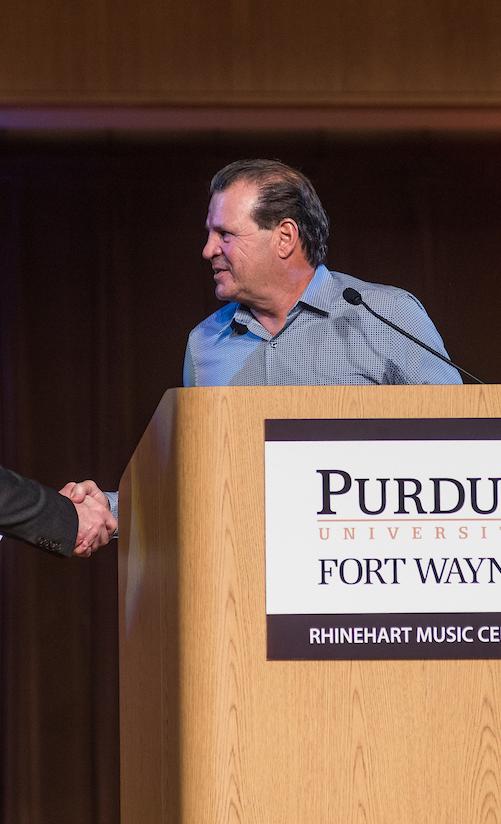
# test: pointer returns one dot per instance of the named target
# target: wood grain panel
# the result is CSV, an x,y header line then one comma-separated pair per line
x,y
211,730
53,50
231,52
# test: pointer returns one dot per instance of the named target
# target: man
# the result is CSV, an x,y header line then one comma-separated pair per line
x,y
50,520
287,321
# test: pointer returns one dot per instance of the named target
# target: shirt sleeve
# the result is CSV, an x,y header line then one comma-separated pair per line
x,y
414,364
189,378
113,500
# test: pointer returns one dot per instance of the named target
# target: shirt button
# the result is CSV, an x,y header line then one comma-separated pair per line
x,y
273,343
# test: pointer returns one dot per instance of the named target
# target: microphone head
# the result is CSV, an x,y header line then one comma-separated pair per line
x,y
352,296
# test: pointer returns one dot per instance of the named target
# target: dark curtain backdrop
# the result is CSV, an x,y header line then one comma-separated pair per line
x,y
102,279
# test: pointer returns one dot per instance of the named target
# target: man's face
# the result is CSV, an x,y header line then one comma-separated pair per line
x,y
240,252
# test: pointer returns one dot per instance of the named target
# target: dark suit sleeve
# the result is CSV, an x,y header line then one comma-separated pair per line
x,y
36,514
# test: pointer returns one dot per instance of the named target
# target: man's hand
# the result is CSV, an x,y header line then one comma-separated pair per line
x,y
96,524
78,492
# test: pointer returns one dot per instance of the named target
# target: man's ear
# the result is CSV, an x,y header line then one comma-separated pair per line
x,y
288,237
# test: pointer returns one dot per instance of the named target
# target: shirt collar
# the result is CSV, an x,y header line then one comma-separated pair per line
x,y
317,295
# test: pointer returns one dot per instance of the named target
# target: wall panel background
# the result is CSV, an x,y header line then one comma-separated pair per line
x,y
234,52
102,279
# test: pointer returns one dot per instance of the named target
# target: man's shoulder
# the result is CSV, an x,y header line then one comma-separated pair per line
x,y
366,287
215,323
382,295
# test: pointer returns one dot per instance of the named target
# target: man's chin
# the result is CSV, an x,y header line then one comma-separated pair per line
x,y
224,294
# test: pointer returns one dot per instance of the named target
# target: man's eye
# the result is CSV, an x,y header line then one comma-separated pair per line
x,y
226,236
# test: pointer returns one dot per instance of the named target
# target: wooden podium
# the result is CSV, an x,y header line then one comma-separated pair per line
x,y
212,732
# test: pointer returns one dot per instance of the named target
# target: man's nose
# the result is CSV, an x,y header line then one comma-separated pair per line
x,y
212,247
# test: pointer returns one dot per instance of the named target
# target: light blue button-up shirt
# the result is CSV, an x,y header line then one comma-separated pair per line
x,y
325,341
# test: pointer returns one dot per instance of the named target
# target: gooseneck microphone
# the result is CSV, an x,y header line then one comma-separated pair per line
x,y
355,298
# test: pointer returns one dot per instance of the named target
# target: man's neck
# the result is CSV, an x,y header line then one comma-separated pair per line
x,y
273,315
272,323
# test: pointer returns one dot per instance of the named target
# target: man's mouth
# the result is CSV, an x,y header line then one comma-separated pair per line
x,y
219,266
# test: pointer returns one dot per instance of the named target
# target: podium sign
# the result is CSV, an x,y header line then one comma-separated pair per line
x,y
383,538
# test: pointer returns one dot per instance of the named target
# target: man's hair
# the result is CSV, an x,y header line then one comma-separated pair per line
x,y
283,193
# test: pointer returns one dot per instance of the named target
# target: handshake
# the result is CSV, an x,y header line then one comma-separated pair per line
x,y
96,524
